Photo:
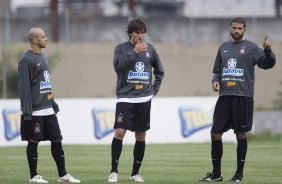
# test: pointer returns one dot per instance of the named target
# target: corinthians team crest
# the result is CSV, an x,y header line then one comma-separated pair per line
x,y
147,54
243,50
120,118
37,128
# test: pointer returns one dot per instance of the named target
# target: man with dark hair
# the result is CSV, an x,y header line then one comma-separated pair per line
x,y
133,63
38,120
234,75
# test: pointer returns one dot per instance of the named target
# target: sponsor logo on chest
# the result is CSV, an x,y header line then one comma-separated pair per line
x,y
139,74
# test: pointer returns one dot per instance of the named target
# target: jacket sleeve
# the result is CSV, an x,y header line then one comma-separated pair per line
x,y
217,67
158,72
265,59
24,74
122,61
55,106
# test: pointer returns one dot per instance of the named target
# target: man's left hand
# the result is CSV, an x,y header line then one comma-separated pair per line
x,y
266,44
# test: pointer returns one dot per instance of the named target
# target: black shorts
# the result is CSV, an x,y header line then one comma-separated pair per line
x,y
41,128
233,112
133,116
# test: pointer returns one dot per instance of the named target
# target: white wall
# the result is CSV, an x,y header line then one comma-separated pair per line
x,y
173,120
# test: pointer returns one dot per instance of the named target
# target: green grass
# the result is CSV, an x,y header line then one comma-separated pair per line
x,y
175,164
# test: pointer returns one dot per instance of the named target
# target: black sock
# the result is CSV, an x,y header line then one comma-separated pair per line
x,y
216,154
116,151
241,155
58,155
32,157
138,154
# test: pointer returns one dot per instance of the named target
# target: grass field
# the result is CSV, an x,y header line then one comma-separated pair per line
x,y
176,164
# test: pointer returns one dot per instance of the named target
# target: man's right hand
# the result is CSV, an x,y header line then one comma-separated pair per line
x,y
140,47
215,86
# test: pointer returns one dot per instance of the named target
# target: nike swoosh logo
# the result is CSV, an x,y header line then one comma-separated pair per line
x,y
225,51
209,179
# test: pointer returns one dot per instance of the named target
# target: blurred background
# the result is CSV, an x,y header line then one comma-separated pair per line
x,y
82,35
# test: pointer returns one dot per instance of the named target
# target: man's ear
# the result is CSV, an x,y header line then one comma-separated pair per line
x,y
32,40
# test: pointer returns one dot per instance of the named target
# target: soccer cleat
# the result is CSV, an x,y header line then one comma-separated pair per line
x,y
211,178
68,179
113,177
236,178
136,178
37,179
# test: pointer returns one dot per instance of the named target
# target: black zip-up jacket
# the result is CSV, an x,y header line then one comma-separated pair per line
x,y
134,71
34,84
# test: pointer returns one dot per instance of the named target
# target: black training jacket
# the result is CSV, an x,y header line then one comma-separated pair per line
x,y
34,84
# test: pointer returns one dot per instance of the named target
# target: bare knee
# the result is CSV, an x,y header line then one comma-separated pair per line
x,y
140,136
119,133
241,135
216,137
33,141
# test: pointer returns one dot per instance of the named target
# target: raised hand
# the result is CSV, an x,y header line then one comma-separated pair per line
x,y
266,44
140,46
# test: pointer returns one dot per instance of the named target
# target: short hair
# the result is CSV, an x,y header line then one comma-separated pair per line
x,y
135,25
239,20
33,33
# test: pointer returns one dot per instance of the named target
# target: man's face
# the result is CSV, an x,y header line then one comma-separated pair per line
x,y
135,36
237,31
41,39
